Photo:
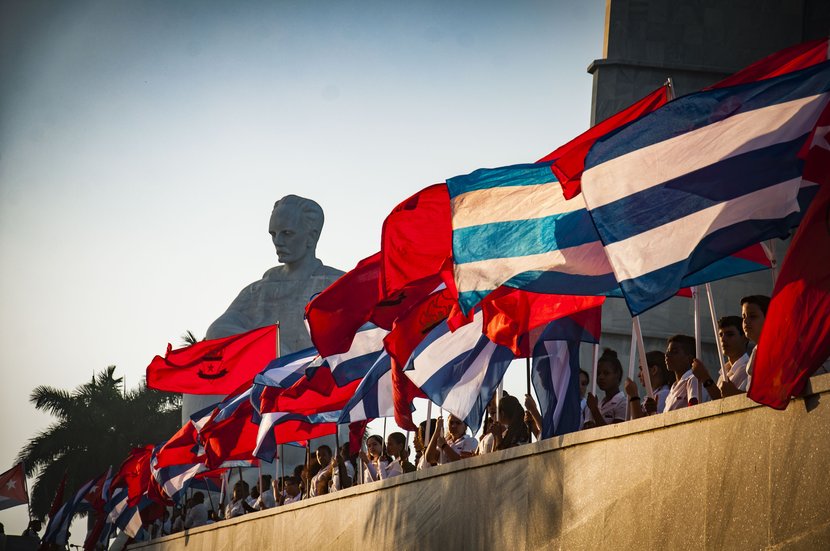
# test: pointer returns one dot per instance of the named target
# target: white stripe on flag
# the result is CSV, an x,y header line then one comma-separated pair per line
x,y
464,393
589,259
560,374
512,203
650,166
365,342
675,241
444,349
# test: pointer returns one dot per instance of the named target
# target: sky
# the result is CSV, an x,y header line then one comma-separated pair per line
x,y
143,144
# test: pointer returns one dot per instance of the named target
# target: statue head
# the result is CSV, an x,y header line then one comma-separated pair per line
x,y
295,227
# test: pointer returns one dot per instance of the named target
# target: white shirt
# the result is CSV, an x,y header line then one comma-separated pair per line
x,y
423,463
234,509
312,491
295,499
682,391
464,444
265,500
381,470
196,516
486,444
335,477
611,410
736,372
750,367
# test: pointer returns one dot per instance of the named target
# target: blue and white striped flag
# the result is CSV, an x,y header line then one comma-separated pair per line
x,y
366,348
555,376
512,226
701,178
373,397
459,371
266,440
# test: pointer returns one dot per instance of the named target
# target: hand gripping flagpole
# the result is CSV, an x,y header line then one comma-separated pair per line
x,y
714,317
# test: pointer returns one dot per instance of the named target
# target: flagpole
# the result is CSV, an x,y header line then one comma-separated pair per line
x,y
308,472
643,360
278,339
428,434
282,463
632,350
698,343
527,372
26,489
499,392
714,317
594,370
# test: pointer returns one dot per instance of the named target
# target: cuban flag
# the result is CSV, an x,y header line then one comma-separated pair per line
x,y
120,514
366,348
373,397
555,374
283,373
513,226
459,371
701,178
173,481
278,427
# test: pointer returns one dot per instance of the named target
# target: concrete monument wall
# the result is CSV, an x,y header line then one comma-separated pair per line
x,y
696,43
728,474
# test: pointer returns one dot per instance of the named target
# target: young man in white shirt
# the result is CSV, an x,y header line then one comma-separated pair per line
x,y
680,352
733,344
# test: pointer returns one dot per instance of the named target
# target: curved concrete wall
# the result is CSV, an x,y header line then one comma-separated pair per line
x,y
723,475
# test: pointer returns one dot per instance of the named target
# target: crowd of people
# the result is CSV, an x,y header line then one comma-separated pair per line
x,y
675,377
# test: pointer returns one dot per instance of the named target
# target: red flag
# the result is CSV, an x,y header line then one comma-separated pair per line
x,y
336,314
13,487
416,239
318,394
785,61
181,448
407,333
216,366
356,431
511,315
230,439
134,473
58,499
295,430
796,335
569,159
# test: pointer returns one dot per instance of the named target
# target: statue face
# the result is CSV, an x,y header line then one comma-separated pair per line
x,y
291,239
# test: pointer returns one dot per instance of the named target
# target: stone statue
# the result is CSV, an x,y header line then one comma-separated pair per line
x,y
283,292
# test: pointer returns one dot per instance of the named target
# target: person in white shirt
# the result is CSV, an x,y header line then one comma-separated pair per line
x,y
319,484
399,453
378,465
753,315
659,376
238,504
266,498
292,493
454,446
342,470
679,355
612,409
197,515
421,444
733,344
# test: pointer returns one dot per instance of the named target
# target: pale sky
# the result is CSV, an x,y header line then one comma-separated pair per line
x,y
142,145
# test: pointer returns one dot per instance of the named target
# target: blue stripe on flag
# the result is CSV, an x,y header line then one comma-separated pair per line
x,y
507,176
523,237
701,109
700,189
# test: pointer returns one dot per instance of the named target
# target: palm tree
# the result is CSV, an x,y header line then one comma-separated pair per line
x,y
97,425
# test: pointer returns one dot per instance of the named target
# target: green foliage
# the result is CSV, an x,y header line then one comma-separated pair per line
x,y
97,425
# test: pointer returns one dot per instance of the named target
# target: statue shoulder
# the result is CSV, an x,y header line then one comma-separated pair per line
x,y
328,271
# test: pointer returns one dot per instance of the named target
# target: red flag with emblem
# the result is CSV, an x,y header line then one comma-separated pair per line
x,y
217,366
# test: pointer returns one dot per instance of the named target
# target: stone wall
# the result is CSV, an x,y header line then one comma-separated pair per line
x,y
723,475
